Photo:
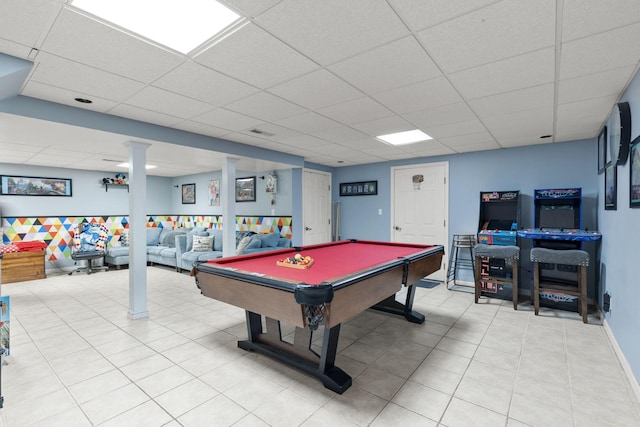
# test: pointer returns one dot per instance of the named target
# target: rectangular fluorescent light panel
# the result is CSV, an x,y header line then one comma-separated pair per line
x,y
126,165
402,138
182,25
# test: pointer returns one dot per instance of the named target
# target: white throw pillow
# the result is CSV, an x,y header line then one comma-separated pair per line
x,y
202,243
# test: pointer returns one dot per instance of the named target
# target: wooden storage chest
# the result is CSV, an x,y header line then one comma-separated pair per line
x,y
21,266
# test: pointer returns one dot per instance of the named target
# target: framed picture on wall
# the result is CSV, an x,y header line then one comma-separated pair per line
x,y
246,189
34,186
188,194
634,173
602,150
610,187
214,192
364,188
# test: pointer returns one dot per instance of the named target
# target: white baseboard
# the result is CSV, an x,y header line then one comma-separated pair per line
x,y
623,360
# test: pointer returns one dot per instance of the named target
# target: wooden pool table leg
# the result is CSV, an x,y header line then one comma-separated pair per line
x,y
390,305
299,354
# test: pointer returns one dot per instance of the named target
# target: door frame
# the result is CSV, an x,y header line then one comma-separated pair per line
x,y
445,261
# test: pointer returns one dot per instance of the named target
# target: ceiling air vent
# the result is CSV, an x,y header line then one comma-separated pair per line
x,y
261,132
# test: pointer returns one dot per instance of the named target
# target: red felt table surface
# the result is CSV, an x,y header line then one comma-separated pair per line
x,y
331,261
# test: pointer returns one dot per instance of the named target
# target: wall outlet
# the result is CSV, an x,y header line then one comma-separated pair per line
x,y
606,302
379,211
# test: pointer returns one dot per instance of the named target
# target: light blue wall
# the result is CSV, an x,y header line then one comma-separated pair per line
x,y
261,207
621,237
89,197
569,164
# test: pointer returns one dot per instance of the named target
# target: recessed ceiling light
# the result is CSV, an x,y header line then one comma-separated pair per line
x,y
402,138
181,25
83,100
126,165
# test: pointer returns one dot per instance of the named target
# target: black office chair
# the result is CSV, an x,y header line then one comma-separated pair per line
x,y
89,244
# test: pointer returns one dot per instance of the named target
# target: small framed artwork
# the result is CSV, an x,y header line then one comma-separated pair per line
x,y
188,194
214,192
602,150
246,189
34,186
610,187
364,188
634,173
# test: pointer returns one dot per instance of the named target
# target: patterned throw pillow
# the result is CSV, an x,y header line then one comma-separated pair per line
x,y
124,238
202,243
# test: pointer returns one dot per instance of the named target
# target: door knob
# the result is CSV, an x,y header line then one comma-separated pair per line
x,y
397,228
307,229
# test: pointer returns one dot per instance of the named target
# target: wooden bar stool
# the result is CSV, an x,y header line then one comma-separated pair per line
x,y
573,257
506,253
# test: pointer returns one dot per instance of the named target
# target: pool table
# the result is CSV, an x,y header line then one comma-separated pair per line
x,y
345,278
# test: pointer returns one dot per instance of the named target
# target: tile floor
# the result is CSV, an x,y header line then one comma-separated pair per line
x,y
77,360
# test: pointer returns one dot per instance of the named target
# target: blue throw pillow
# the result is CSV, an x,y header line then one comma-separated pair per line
x,y
269,240
153,236
254,243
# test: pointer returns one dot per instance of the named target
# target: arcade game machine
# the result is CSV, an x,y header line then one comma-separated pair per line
x,y
558,225
499,218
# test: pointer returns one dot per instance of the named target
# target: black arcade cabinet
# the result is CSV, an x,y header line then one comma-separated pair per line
x,y
499,219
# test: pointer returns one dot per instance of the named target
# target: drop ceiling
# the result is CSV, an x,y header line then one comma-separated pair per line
x,y
320,79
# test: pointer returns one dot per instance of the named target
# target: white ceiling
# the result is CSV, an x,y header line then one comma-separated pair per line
x,y
325,77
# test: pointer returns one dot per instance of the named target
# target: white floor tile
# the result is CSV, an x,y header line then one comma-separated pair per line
x,y
78,360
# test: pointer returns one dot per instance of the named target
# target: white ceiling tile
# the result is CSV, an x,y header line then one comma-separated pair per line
x,y
140,114
79,78
250,8
490,34
316,90
226,119
255,57
596,109
331,30
605,51
419,96
509,141
356,111
582,18
456,142
305,142
429,148
156,99
529,98
202,129
420,14
596,85
384,126
340,135
107,48
456,129
308,122
272,132
66,97
438,116
24,21
532,69
482,146
204,84
531,122
266,106
393,65
14,49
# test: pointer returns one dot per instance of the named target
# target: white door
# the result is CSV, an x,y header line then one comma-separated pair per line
x,y
420,203
316,207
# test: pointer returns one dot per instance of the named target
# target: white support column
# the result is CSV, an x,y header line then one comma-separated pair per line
x,y
228,202
137,230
